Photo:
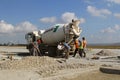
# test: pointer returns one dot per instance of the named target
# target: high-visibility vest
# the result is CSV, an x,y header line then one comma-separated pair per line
x,y
81,46
76,44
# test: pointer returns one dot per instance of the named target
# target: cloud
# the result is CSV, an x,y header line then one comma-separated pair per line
x,y
82,20
25,27
117,15
88,1
117,27
68,16
111,29
108,30
98,12
6,28
48,20
114,1
64,18
109,5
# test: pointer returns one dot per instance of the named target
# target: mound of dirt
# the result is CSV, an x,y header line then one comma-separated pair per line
x,y
28,63
44,66
105,53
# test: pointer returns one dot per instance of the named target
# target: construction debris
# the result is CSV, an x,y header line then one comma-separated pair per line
x,y
105,53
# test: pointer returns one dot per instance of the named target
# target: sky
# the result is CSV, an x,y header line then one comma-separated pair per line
x,y
100,19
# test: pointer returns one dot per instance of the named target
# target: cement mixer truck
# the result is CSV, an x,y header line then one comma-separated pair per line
x,y
50,38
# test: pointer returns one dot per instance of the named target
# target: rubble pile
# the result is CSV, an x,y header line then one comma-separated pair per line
x,y
105,53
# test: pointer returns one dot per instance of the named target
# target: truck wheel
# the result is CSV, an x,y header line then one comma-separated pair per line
x,y
52,51
31,51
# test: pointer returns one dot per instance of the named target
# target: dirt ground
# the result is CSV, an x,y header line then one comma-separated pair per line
x,y
97,75
25,67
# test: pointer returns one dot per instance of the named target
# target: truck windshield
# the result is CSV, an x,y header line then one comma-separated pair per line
x,y
28,37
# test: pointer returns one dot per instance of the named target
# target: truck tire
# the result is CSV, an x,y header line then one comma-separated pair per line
x,y
52,51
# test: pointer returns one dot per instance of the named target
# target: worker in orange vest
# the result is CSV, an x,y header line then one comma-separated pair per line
x,y
76,47
84,43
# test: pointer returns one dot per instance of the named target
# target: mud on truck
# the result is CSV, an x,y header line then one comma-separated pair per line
x,y
50,38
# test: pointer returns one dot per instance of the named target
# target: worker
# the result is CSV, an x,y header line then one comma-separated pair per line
x,y
35,49
80,48
76,47
66,50
84,43
39,41
60,48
